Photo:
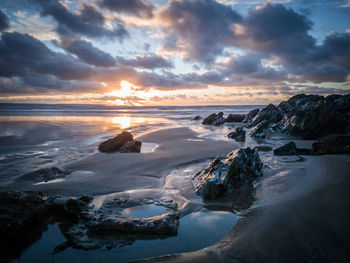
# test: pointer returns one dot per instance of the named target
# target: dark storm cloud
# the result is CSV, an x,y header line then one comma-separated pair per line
x,y
148,62
85,51
203,26
89,21
4,21
22,53
141,8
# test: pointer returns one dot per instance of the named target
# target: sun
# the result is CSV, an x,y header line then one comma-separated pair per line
x,y
124,91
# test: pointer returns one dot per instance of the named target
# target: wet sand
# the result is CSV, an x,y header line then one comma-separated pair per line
x,y
302,215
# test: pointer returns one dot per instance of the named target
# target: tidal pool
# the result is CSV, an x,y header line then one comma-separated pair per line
x,y
196,231
141,211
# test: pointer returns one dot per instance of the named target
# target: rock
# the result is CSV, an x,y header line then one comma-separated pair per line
x,y
235,118
221,114
239,170
312,116
261,130
196,118
69,206
263,148
270,114
287,149
250,115
333,144
19,210
238,134
131,146
214,119
44,175
115,143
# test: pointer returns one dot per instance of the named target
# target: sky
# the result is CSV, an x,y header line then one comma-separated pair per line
x,y
172,52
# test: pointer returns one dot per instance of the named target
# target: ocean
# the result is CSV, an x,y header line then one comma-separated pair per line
x,y
35,136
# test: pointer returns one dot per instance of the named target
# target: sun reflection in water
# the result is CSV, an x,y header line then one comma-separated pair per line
x,y
124,122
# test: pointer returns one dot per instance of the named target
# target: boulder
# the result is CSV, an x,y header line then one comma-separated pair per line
x,y
131,146
263,148
235,118
270,114
239,170
114,144
214,119
197,118
250,115
238,134
287,149
44,175
333,144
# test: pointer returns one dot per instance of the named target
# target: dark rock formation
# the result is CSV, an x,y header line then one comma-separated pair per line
x,y
235,118
333,144
287,149
239,170
251,115
263,148
197,118
238,134
214,119
131,146
44,175
114,144
304,116
19,210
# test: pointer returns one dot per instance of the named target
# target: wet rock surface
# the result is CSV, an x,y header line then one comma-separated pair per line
x,y
197,118
287,149
238,171
235,117
114,144
214,119
333,144
238,134
251,115
44,175
131,146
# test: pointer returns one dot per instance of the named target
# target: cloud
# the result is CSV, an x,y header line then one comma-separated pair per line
x,y
197,28
141,8
89,22
85,51
148,62
4,21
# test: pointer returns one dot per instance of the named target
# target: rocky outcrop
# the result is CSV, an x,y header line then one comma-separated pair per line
x,y
333,144
131,146
235,118
44,175
238,134
251,115
116,143
214,119
304,116
239,170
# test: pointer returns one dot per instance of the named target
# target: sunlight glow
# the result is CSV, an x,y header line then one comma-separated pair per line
x,y
124,122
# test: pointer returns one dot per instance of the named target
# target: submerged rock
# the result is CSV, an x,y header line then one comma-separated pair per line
x,y
131,146
214,119
263,148
44,175
238,134
235,118
197,118
251,115
239,170
114,144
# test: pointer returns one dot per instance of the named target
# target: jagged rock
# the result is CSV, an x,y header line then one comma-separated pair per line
x,y
261,130
44,175
235,118
131,146
214,119
69,206
221,114
333,144
19,210
239,170
196,118
238,134
115,143
269,114
251,115
287,149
